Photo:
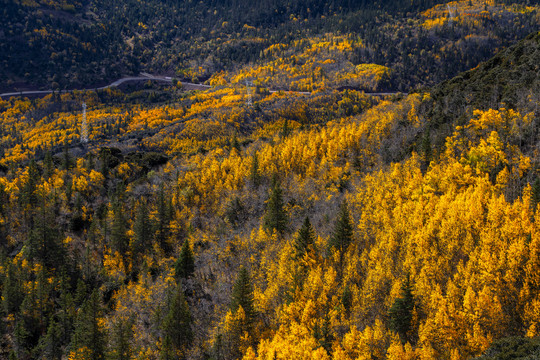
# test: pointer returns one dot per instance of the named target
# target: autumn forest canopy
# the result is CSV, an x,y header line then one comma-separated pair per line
x,y
284,211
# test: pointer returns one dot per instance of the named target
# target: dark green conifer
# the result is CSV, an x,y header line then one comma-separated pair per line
x,y
177,332
120,340
235,144
142,229
401,312
234,212
185,264
323,334
242,295
66,311
48,165
12,292
67,161
164,210
535,196
88,332
342,235
45,245
28,196
347,299
304,242
51,343
275,217
119,238
77,222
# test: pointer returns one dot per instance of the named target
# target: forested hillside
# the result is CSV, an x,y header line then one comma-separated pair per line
x,y
74,44
318,223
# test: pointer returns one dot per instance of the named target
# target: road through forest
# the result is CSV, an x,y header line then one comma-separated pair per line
x,y
145,77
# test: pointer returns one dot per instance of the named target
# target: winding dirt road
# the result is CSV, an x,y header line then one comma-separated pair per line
x,y
142,77
147,77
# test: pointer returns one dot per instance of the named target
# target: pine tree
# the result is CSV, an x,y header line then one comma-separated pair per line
x,y
177,332
323,334
120,341
142,229
48,165
401,312
234,212
305,240
66,311
51,343
347,299
164,210
88,330
22,338
275,217
28,196
67,161
12,292
235,144
119,238
44,241
185,264
342,236
535,196
242,295
254,175
77,222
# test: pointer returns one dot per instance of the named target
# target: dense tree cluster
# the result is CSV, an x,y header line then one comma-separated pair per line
x,y
67,44
322,225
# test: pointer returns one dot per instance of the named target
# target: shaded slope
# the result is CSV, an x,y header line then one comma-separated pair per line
x,y
509,79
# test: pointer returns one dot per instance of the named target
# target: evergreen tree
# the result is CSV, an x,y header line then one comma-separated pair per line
x,y
120,341
234,212
48,165
12,290
185,264
67,162
254,175
142,229
235,144
286,129
347,299
342,236
51,343
22,338
177,332
77,222
28,196
66,311
119,238
164,210
323,334
305,240
45,245
88,331
535,196
167,351
401,312
242,295
275,217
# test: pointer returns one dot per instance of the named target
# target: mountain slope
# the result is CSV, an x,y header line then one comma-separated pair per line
x,y
509,79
